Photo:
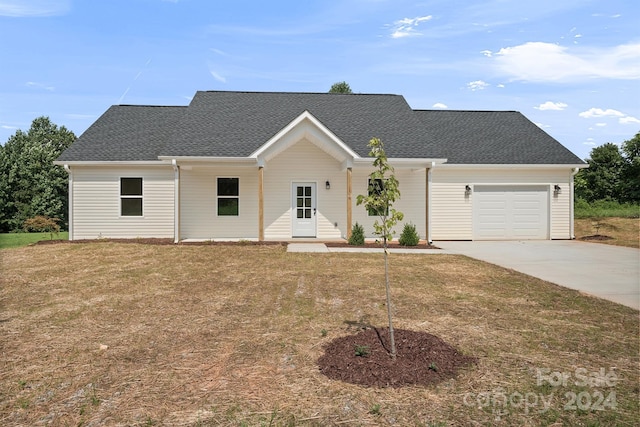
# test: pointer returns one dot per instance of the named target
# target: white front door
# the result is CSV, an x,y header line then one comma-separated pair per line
x,y
303,209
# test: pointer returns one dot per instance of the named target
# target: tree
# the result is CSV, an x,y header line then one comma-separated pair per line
x,y
631,170
30,184
340,87
601,180
383,191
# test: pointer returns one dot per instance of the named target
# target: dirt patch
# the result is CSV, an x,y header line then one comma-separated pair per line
x,y
363,359
596,237
159,241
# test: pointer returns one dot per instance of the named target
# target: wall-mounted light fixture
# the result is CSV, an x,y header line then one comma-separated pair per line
x,y
327,185
467,190
556,189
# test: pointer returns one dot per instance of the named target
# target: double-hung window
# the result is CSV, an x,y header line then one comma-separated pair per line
x,y
228,196
131,196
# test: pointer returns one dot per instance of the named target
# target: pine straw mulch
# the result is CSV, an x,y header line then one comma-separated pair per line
x,y
596,237
364,359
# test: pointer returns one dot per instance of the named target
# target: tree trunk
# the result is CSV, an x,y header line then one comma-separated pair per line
x,y
388,288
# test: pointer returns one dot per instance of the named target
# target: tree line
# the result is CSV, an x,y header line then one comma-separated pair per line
x,y
30,184
613,173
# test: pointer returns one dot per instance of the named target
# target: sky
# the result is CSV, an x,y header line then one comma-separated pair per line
x,y
571,66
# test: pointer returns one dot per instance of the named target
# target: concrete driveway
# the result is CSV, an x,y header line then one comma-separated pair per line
x,y
609,272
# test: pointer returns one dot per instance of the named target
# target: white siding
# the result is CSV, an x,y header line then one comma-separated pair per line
x,y
452,209
304,162
96,203
199,209
412,186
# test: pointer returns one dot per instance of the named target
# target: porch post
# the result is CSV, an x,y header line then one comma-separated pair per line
x,y
349,214
261,203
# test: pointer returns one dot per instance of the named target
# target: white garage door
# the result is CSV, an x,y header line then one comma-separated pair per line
x,y
510,212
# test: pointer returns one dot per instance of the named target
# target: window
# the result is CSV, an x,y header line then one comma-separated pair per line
x,y
228,200
375,188
131,196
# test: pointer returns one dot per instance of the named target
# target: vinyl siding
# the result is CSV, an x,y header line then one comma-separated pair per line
x,y
96,203
304,162
412,186
199,206
452,210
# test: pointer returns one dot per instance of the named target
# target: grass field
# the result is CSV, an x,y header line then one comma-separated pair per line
x,y
15,240
622,231
129,334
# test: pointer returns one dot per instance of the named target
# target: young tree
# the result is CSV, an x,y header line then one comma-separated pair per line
x,y
383,192
30,184
340,87
631,170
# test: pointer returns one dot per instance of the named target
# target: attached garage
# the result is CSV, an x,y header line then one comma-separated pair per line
x,y
502,212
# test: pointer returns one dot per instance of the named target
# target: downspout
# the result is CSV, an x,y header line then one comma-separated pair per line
x,y
176,201
429,179
571,203
70,207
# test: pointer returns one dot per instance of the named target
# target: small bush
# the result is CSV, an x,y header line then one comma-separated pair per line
x,y
409,236
42,224
357,235
362,350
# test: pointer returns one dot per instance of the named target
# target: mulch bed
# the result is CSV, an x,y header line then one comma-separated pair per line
x,y
157,241
390,245
422,359
596,237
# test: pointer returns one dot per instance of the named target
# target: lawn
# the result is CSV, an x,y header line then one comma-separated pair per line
x,y
617,231
128,334
14,240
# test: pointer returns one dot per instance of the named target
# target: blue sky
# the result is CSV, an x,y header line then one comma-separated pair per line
x,y
571,66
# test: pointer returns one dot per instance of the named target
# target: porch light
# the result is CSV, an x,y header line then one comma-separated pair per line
x,y
556,189
467,189
327,185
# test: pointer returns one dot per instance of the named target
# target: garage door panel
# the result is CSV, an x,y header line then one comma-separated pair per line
x,y
510,212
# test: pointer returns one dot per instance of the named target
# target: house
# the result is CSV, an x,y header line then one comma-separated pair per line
x,y
279,166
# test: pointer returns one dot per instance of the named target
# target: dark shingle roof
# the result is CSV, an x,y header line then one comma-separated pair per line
x,y
492,137
126,133
238,123
235,124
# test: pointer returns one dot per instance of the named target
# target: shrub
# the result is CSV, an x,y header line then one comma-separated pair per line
x,y
357,235
42,224
409,236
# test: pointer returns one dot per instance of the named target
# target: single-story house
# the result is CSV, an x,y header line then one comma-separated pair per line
x,y
280,166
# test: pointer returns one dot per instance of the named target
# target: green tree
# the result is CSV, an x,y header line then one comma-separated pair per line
x,y
30,184
602,179
631,170
340,87
383,191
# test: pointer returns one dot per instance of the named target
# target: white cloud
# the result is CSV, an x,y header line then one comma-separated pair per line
x,y
477,85
627,120
407,27
487,53
500,85
40,86
542,125
439,105
34,8
601,124
218,77
590,142
547,62
9,127
599,112
549,105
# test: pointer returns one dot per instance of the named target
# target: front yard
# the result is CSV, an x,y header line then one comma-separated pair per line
x,y
129,334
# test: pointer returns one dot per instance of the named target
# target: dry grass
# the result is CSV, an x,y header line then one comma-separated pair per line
x,y
624,231
129,334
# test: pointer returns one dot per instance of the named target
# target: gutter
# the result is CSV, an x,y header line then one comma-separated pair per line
x,y
572,203
70,207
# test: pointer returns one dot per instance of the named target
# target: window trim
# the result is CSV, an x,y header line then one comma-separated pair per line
x,y
132,196
218,196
